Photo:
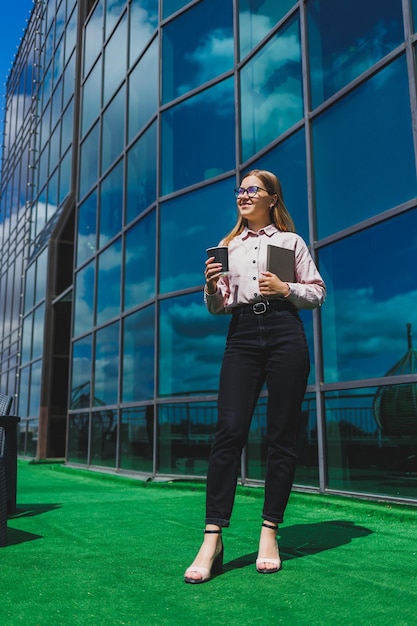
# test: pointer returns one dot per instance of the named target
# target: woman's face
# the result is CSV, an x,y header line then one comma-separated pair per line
x,y
255,208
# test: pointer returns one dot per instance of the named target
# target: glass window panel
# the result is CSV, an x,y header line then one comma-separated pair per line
x,y
71,35
343,46
143,23
45,126
44,166
52,195
371,437
91,98
38,330
143,90
67,126
201,229
106,370
23,398
54,146
364,323
256,19
41,275
414,13
364,139
186,432
56,104
136,439
139,355
78,436
103,438
69,81
141,174
108,282
81,373
87,229
35,389
65,177
115,60
140,243
191,346
206,52
93,36
170,6
114,9
288,162
88,171
111,204
84,299
30,287
113,130
183,134
27,339
269,83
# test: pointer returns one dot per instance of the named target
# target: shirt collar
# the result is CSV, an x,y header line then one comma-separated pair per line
x,y
269,230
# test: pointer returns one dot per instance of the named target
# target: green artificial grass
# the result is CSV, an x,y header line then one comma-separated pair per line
x,y
87,548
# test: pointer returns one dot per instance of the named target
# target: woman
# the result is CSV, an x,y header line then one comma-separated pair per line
x,y
265,343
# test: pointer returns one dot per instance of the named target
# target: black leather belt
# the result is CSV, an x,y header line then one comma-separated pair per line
x,y
260,308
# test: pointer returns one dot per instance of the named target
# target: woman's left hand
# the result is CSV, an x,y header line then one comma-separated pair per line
x,y
271,285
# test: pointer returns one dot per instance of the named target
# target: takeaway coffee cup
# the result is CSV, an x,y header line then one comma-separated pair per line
x,y
221,255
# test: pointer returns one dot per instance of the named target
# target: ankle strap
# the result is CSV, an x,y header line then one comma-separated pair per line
x,y
266,525
213,532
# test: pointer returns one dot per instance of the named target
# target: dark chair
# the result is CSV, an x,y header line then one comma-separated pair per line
x,y
5,404
3,490
7,469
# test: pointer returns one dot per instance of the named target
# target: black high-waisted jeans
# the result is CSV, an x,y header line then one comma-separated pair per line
x,y
270,347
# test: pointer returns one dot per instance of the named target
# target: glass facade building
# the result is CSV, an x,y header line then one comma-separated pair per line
x,y
128,124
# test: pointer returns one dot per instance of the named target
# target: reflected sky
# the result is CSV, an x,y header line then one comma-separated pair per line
x,y
106,368
84,299
109,282
183,134
139,356
371,296
363,165
271,91
191,346
206,52
343,46
143,23
256,19
139,259
206,216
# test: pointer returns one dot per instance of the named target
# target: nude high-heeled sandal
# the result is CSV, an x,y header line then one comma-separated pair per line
x,y
260,560
206,573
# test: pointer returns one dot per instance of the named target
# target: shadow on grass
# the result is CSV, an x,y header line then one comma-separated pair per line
x,y
303,540
29,510
14,537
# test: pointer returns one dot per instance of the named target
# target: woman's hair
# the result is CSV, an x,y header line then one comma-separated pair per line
x,y
279,214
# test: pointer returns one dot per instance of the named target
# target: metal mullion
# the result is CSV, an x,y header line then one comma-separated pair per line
x,y
317,336
409,53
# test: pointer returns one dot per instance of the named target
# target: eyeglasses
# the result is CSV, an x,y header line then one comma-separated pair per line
x,y
251,191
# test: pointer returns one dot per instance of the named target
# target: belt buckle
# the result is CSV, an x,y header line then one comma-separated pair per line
x,y
259,308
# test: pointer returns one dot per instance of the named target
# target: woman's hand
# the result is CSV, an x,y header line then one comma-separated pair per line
x,y
271,285
212,274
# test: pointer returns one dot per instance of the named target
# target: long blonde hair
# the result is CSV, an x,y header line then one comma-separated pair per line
x,y
279,214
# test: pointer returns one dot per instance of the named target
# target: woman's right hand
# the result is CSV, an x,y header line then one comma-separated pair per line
x,y
212,274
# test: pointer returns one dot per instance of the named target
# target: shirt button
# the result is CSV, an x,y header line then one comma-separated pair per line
x,y
253,261
253,277
256,247
255,294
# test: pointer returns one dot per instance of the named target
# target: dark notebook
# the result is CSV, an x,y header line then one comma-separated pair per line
x,y
281,261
